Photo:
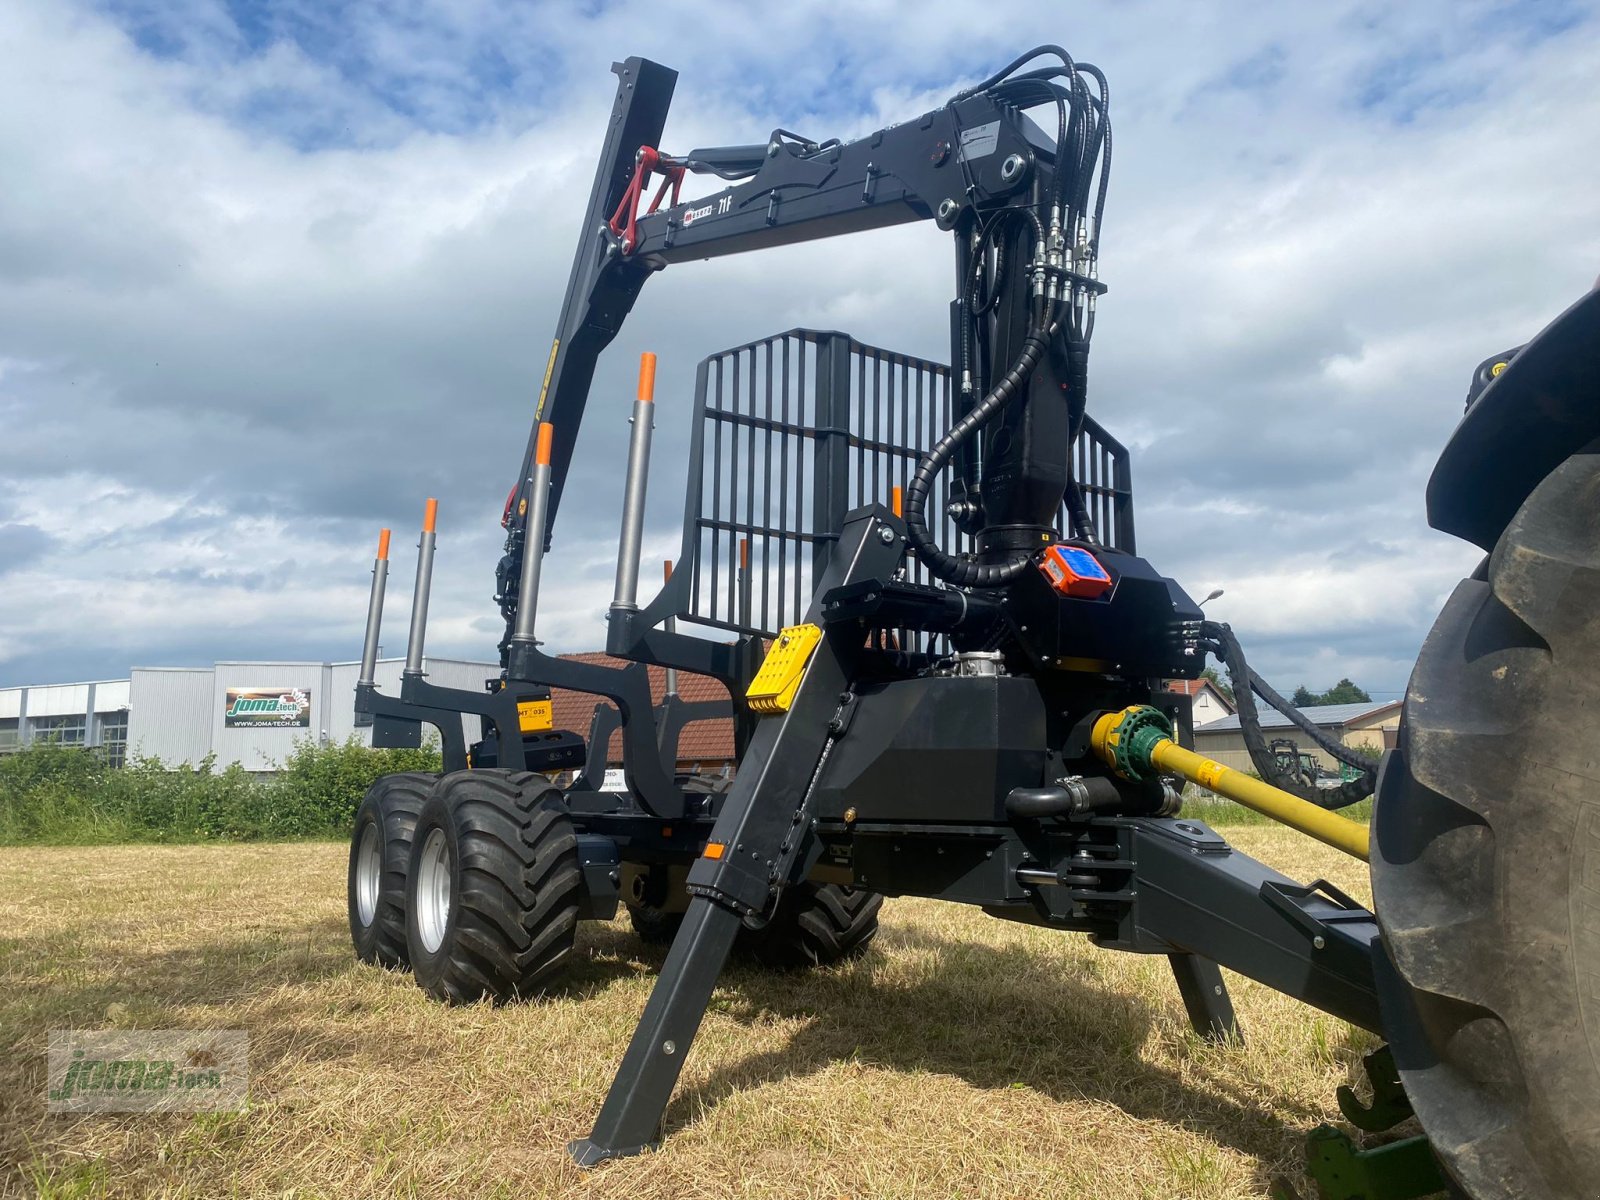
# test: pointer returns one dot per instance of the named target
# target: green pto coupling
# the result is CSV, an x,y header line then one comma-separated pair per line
x,y
1137,744
1127,740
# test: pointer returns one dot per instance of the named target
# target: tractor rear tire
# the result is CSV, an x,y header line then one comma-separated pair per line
x,y
1486,860
494,887
815,924
380,851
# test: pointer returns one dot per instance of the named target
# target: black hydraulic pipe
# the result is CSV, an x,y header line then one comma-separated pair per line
x,y
1079,796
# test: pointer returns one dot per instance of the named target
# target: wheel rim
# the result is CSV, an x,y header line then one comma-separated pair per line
x,y
369,870
433,891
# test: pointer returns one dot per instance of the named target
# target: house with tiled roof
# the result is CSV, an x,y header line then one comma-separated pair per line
x,y
706,746
1209,704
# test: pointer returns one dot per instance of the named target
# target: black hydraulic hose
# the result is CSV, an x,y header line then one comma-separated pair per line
x,y
1010,67
941,565
1246,686
1062,98
1082,523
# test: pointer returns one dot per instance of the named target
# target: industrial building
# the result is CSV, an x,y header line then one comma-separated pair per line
x,y
1367,726
250,713
74,714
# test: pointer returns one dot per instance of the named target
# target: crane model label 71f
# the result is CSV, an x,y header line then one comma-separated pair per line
x,y
948,670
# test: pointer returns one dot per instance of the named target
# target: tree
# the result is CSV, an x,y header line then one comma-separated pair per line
x,y
1210,675
1343,692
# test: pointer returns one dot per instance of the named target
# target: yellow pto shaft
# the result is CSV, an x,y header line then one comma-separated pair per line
x,y
1137,743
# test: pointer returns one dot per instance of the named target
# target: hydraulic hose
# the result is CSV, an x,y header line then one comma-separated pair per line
x,y
1246,686
945,566
1010,67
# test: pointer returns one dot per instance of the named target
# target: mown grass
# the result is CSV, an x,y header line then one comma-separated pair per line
x,y
960,1057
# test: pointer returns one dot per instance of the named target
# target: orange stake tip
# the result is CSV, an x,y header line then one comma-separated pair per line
x,y
647,377
383,544
430,515
897,503
547,433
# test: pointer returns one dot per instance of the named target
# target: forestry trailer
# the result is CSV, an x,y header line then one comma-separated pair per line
x,y
947,665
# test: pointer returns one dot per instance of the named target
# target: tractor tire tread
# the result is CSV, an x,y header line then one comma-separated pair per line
x,y
1486,849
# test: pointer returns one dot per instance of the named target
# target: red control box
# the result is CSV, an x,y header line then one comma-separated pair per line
x,y
1073,571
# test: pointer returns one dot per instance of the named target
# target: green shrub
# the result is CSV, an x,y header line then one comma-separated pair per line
x,y
319,787
68,795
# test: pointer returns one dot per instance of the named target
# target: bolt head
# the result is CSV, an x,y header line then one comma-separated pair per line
x,y
1320,942
886,535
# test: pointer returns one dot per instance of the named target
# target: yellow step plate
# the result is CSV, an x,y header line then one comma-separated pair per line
x,y
773,688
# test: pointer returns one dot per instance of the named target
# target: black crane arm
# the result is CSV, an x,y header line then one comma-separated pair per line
x,y
959,165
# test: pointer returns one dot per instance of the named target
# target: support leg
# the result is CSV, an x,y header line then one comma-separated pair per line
x,y
759,840
1205,996
630,1119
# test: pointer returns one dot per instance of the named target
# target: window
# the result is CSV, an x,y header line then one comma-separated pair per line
x,y
63,731
10,736
113,738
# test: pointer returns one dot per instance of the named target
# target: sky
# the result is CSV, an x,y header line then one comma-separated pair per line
x,y
273,273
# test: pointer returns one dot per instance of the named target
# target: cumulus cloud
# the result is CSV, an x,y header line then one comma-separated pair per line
x,y
269,275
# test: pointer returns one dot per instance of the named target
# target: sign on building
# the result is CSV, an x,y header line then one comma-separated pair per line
x,y
268,708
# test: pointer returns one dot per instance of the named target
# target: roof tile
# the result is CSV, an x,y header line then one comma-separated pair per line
x,y
702,742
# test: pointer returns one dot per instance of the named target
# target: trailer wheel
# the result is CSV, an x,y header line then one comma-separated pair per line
x,y
380,851
494,886
815,924
654,926
1486,860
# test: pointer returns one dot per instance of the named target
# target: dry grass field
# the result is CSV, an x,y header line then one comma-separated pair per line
x,y
961,1056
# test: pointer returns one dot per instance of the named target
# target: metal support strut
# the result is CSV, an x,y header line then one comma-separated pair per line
x,y
380,576
419,594
757,847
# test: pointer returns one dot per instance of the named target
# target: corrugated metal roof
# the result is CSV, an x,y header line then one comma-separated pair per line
x,y
1323,715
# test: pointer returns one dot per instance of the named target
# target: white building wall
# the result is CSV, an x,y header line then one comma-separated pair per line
x,y
257,749
58,700
111,695
178,714
1208,707
169,713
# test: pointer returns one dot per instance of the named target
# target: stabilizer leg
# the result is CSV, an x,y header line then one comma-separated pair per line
x,y
630,1119
1205,997
757,847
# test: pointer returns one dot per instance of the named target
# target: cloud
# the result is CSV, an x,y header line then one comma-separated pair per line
x,y
270,275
